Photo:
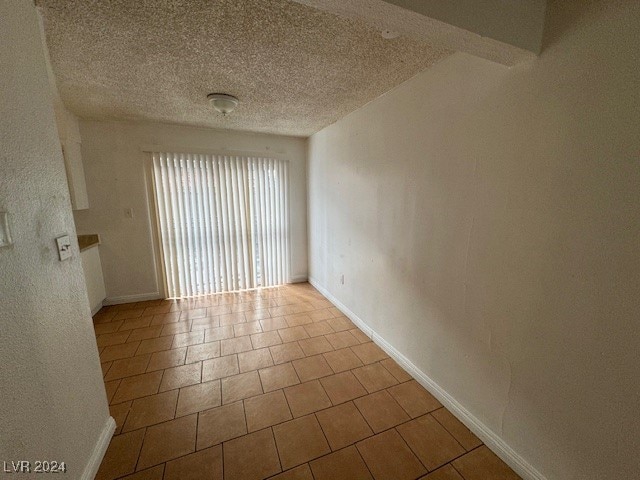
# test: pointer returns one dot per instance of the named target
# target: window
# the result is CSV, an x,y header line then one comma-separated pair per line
x,y
223,222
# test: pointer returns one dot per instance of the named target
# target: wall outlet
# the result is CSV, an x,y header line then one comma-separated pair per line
x,y
64,247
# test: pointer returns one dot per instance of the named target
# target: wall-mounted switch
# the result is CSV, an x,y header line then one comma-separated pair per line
x,y
5,230
128,212
64,247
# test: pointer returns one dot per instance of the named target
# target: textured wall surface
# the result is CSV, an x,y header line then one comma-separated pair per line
x,y
115,173
487,223
52,400
294,68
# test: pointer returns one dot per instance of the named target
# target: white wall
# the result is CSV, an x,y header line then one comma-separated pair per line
x,y
115,174
52,400
487,222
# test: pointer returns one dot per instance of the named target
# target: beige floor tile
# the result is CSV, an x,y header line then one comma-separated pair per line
x,y
205,323
342,360
151,410
205,464
165,318
374,377
342,339
266,339
128,367
389,458
251,457
194,313
109,327
220,368
256,315
203,351
145,333
111,388
455,427
317,329
303,472
315,346
343,425
342,387
136,323
414,398
319,315
311,368
153,473
154,345
360,335
105,366
176,328
167,359
116,352
381,411
221,333
167,441
266,410
254,360
188,338
232,318
197,398
138,386
298,319
483,464
300,441
341,465
119,413
230,346
270,324
340,323
369,352
221,424
218,310
131,313
248,328
306,398
396,370
430,441
279,376
181,376
109,339
286,352
121,456
240,386
292,334
444,473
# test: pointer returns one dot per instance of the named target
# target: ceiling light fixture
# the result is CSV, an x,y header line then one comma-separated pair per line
x,y
223,103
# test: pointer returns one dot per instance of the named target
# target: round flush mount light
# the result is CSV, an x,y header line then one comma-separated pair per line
x,y
389,34
223,102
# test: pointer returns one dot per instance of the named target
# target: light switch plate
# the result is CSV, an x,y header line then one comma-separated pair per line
x,y
64,247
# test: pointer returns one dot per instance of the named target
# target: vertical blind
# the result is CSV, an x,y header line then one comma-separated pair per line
x,y
223,222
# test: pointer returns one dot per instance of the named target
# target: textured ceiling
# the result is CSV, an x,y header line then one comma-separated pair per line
x,y
295,69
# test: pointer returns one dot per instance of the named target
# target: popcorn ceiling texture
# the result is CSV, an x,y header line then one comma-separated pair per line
x,y
295,69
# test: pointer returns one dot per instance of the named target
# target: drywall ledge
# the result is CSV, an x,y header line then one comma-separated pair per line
x,y
490,438
140,297
99,450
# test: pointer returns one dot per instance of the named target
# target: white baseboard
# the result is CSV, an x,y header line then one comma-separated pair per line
x,y
490,438
96,309
298,279
141,297
99,450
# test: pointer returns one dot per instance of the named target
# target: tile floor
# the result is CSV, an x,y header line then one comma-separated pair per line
x,y
275,383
